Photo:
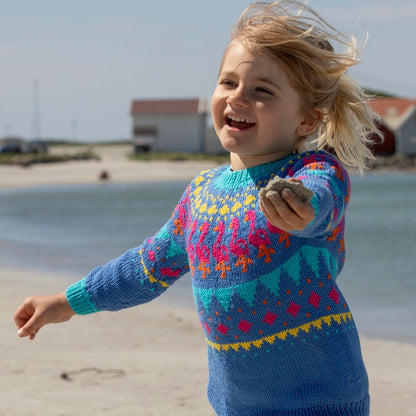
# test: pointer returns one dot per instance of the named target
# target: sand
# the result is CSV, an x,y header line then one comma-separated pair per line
x,y
149,360
113,160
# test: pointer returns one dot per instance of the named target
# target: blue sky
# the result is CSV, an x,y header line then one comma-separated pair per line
x,y
92,58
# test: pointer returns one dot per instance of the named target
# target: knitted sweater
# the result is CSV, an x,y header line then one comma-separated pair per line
x,y
280,336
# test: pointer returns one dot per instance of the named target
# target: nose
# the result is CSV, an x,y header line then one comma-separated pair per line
x,y
238,97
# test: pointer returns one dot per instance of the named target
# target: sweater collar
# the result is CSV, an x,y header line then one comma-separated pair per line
x,y
251,176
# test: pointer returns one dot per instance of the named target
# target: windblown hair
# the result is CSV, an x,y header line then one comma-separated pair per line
x,y
302,42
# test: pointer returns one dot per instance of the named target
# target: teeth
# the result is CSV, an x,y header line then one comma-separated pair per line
x,y
240,120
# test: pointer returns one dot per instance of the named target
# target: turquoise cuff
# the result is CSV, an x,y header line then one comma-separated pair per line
x,y
79,300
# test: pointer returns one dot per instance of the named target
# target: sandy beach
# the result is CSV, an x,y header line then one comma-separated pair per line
x,y
149,360
113,160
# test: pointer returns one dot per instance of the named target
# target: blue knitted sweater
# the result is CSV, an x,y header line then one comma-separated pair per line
x,y
280,336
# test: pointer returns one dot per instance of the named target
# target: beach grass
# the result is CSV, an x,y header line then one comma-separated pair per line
x,y
180,156
32,158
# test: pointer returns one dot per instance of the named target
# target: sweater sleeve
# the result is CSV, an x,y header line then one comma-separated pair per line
x,y
325,176
139,275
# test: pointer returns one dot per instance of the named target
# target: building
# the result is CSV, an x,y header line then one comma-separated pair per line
x,y
171,125
398,125
181,125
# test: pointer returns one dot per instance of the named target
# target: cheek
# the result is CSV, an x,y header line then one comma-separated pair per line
x,y
217,110
281,129
287,120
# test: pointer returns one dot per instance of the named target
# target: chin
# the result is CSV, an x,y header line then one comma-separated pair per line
x,y
231,145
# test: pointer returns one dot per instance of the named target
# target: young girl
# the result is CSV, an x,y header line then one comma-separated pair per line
x,y
280,336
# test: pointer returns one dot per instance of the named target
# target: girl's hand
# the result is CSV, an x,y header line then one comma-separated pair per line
x,y
37,311
287,211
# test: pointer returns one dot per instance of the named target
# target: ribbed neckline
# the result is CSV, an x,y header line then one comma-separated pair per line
x,y
250,176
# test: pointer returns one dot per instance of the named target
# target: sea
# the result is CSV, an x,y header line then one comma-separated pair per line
x,y
68,230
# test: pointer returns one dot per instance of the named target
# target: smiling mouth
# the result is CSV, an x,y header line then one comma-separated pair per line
x,y
238,123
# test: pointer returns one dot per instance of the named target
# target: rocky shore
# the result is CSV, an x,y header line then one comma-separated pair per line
x,y
396,162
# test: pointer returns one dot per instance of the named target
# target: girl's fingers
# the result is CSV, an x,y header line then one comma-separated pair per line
x,y
30,329
23,314
287,211
32,336
271,206
304,212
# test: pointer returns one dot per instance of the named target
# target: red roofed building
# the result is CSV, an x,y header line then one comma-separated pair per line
x,y
398,125
171,125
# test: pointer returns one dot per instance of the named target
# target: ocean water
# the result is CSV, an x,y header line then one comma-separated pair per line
x,y
70,230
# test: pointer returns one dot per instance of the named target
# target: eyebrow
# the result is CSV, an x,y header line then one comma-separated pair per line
x,y
226,74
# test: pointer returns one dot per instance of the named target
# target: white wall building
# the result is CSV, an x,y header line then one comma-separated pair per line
x,y
172,125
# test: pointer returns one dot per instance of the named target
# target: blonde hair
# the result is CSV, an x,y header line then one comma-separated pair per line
x,y
297,38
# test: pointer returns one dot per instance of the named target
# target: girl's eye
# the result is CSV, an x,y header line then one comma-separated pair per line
x,y
264,90
227,83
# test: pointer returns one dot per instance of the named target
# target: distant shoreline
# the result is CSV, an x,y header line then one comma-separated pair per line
x,y
112,164
393,163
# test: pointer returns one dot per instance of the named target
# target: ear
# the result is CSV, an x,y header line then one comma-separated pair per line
x,y
310,122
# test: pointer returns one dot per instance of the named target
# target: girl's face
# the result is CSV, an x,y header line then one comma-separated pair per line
x,y
255,110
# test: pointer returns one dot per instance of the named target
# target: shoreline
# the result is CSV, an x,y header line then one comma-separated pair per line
x,y
129,362
114,161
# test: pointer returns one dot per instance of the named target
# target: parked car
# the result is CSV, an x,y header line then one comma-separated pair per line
x,y
35,146
11,145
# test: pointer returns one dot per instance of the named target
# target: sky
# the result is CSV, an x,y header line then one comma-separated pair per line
x,y
70,69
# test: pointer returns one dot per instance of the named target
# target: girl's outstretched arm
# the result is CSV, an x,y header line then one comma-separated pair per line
x,y
322,174
37,311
